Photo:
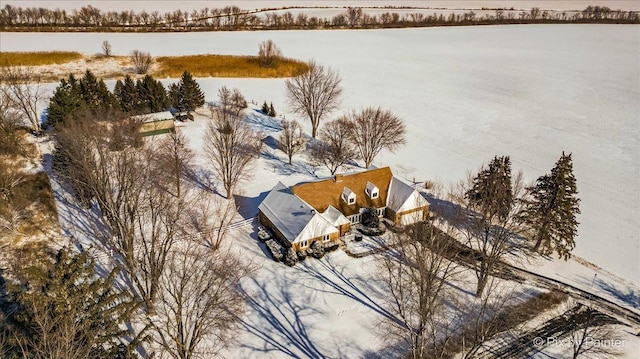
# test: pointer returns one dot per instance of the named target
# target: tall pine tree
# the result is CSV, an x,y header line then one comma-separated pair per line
x,y
69,312
186,95
66,100
491,193
152,95
127,95
552,210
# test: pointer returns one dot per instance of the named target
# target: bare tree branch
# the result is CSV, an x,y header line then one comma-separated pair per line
x,y
231,146
291,139
314,94
24,93
374,129
335,149
200,302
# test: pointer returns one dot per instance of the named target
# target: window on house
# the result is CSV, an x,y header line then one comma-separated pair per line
x,y
325,238
352,200
304,244
374,195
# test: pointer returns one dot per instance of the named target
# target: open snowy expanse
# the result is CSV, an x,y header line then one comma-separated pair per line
x,y
466,94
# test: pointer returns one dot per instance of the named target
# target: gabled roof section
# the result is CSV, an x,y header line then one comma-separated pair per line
x,y
324,193
317,227
402,197
287,212
334,217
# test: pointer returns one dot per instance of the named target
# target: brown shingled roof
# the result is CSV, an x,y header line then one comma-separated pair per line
x,y
325,193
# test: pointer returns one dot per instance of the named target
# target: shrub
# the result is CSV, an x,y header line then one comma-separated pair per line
x,y
370,218
275,249
331,246
317,249
268,54
302,255
141,61
290,258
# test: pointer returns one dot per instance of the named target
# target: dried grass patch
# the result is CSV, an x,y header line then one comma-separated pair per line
x,y
38,58
226,66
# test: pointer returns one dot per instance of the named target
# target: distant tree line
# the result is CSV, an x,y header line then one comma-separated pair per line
x,y
89,18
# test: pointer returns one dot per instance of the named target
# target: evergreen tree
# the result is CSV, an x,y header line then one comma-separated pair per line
x,y
127,95
95,93
491,193
68,311
552,210
265,108
186,95
66,100
272,111
152,95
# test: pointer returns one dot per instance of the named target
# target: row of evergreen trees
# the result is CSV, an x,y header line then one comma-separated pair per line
x,y
89,95
549,209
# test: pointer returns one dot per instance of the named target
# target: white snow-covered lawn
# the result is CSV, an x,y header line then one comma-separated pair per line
x,y
466,94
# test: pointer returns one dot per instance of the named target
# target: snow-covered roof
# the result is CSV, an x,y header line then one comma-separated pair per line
x,y
293,217
346,192
154,117
370,187
328,192
402,197
317,227
334,217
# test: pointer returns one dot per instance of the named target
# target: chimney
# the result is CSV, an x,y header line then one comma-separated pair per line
x,y
338,178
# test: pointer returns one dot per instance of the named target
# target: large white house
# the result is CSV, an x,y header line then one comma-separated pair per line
x,y
324,210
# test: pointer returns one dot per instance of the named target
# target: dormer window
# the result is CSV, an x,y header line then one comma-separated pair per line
x,y
348,196
371,190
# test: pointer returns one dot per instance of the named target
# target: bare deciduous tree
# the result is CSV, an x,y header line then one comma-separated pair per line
x,y
23,91
291,138
144,218
335,149
141,61
175,154
314,94
268,54
10,136
416,273
373,130
229,102
487,316
200,302
106,48
592,334
231,146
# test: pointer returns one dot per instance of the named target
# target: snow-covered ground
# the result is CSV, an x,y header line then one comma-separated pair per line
x,y
466,95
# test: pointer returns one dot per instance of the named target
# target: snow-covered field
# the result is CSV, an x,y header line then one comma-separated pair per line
x,y
467,94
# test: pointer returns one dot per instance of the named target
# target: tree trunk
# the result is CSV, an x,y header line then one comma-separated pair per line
x,y
536,247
